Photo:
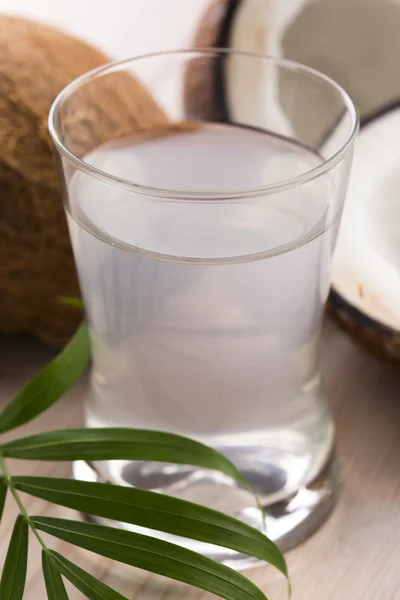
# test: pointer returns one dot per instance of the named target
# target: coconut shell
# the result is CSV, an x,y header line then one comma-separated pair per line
x,y
36,263
204,94
380,340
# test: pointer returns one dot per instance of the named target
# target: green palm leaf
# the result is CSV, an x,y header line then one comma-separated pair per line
x,y
91,587
3,495
50,384
54,584
154,511
138,507
153,555
120,443
13,578
71,301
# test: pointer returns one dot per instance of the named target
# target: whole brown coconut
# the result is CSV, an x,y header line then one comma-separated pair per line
x,y
36,263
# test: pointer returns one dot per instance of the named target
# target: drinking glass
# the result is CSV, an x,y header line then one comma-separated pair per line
x,y
203,192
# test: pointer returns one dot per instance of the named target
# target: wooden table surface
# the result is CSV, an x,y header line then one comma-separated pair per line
x,y
354,556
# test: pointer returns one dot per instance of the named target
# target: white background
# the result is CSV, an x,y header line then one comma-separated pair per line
x,y
121,28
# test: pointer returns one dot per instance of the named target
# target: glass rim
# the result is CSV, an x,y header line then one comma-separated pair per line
x,y
267,189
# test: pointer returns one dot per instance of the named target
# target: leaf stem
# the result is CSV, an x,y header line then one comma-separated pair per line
x,y
18,501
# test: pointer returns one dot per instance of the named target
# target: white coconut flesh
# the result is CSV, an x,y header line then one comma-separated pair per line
x,y
258,26
366,266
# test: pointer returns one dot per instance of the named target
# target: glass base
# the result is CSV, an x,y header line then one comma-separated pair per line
x,y
290,521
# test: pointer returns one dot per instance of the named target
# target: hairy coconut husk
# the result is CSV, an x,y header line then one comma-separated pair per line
x,y
36,264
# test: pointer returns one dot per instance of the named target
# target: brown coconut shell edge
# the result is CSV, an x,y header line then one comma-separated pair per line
x,y
382,341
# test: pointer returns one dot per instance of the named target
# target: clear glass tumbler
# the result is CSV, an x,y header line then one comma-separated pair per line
x,y
203,191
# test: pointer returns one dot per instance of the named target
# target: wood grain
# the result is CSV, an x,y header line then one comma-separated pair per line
x,y
354,556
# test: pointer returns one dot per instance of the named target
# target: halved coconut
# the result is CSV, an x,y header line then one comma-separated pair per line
x,y
234,89
365,293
